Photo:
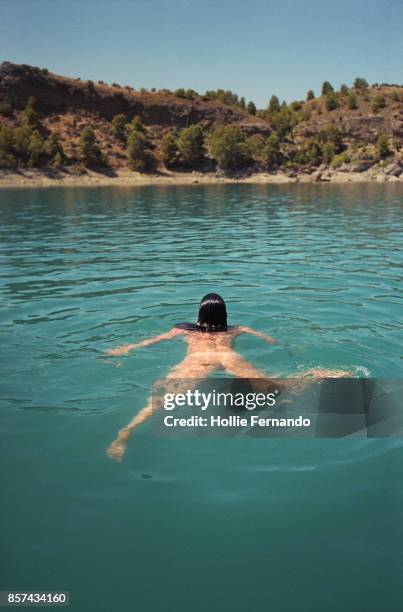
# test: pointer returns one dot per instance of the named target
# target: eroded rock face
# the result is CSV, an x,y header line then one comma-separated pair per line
x,y
393,169
361,165
56,94
361,127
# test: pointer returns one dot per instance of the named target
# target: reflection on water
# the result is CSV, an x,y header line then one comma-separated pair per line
x,y
244,523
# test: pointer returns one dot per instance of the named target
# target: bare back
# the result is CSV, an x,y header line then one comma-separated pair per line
x,y
208,351
211,342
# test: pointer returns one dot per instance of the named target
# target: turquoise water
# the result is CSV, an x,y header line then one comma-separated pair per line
x,y
211,524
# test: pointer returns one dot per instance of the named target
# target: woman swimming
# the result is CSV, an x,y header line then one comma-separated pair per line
x,y
209,349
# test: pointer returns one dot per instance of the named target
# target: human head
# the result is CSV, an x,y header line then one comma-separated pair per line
x,y
212,313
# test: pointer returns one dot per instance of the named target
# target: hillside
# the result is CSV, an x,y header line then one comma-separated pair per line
x,y
43,116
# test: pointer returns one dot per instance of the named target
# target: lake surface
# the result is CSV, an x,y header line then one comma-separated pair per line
x,y
200,524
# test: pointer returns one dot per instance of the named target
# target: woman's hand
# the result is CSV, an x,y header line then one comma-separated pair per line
x,y
121,350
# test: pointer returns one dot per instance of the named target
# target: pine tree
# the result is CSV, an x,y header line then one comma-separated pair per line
x,y
191,145
119,123
228,147
170,151
89,150
327,88
35,148
251,108
138,151
31,114
274,104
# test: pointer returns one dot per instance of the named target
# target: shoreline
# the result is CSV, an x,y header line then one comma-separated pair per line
x,y
35,178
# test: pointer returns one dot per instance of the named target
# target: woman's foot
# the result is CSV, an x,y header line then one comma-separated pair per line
x,y
322,373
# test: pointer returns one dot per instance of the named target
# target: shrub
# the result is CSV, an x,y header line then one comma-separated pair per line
x,y
327,88
228,147
344,89
328,152
138,151
136,124
180,93
352,101
58,160
191,145
331,135
310,95
251,108
170,151
314,152
256,146
360,84
226,97
377,103
119,123
331,101
296,106
382,146
283,122
271,151
337,161
395,96
7,141
300,158
89,150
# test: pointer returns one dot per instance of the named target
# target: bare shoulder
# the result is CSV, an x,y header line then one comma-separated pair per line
x,y
177,331
240,329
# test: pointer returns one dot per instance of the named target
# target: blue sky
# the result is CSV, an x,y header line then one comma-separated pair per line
x,y
253,47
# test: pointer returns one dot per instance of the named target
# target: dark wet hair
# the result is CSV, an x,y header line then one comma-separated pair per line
x,y
212,313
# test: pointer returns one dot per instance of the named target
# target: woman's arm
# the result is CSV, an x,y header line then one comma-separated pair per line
x,y
248,330
126,348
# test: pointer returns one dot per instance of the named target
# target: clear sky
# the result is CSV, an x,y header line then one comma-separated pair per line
x,y
253,47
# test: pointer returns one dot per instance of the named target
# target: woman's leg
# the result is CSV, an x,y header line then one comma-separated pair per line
x,y
237,366
190,372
